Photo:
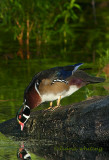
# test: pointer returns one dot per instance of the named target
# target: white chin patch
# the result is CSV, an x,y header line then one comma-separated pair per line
x,y
26,116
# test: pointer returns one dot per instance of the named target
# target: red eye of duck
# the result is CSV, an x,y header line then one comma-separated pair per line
x,y
20,116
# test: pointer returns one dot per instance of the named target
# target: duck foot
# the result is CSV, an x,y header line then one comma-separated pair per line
x,y
51,104
53,108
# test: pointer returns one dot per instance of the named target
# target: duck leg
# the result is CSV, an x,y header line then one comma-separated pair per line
x,y
51,105
58,103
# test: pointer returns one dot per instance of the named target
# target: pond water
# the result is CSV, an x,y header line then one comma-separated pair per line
x,y
15,76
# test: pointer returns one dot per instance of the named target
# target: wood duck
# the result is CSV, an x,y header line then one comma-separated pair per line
x,y
53,84
23,154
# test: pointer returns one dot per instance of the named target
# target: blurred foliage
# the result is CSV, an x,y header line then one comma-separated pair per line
x,y
63,29
104,58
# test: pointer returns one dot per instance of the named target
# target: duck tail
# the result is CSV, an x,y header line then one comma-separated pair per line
x,y
87,78
96,79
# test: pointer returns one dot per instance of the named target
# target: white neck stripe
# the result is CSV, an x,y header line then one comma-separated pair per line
x,y
27,106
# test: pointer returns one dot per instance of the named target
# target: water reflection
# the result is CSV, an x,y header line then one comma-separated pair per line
x,y
54,151
30,149
22,153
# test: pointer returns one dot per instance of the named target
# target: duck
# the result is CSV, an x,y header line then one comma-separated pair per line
x,y
53,84
23,154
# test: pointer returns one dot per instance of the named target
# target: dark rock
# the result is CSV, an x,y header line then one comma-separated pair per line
x,y
87,121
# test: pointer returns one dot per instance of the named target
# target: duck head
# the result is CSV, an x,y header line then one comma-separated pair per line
x,y
23,115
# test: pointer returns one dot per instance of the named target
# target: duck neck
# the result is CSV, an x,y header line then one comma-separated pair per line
x,y
32,98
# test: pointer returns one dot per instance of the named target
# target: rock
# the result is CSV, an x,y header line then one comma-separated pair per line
x,y
86,121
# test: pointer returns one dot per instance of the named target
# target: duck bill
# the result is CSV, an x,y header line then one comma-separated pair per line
x,y
21,125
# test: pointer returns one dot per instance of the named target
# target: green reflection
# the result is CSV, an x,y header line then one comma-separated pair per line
x,y
10,148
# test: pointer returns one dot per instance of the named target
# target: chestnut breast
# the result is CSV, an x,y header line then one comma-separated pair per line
x,y
32,98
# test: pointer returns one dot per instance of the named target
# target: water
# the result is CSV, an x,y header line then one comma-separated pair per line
x,y
15,76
